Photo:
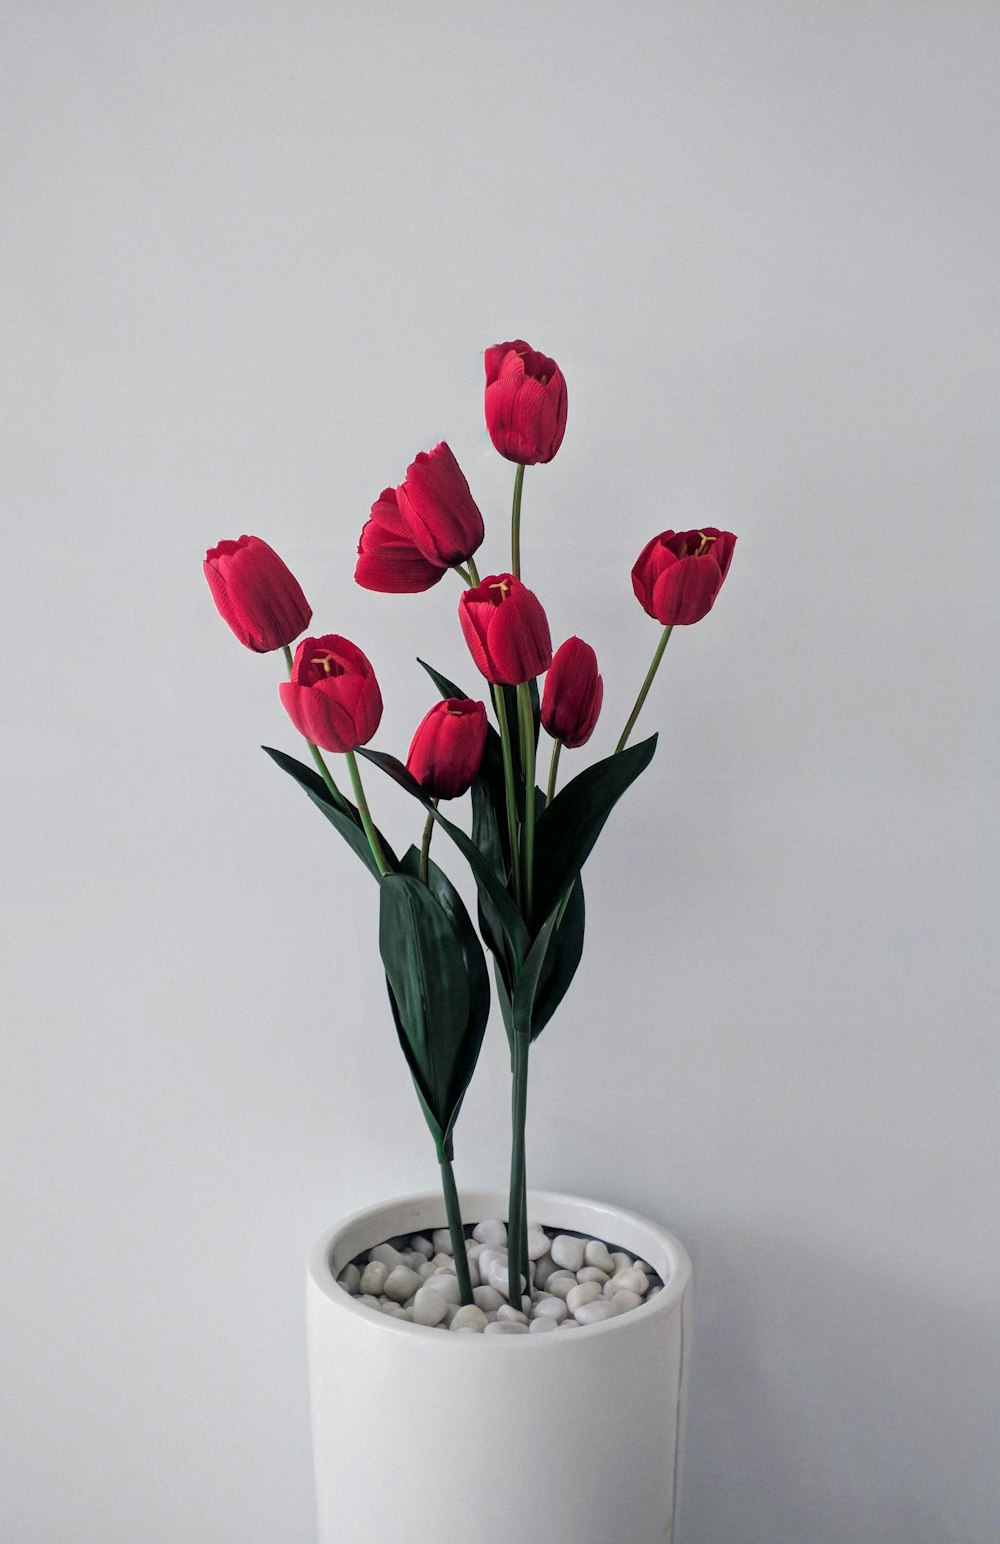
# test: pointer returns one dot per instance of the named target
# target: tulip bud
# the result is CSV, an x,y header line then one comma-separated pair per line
x,y
259,598
525,402
506,630
448,746
388,558
679,573
333,697
434,500
573,694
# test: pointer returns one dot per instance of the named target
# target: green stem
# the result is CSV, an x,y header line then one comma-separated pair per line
x,y
425,845
515,523
363,811
644,693
321,766
463,573
528,763
473,571
553,769
508,777
455,1228
517,1222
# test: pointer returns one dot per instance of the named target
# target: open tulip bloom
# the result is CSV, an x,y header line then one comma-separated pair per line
x,y
525,849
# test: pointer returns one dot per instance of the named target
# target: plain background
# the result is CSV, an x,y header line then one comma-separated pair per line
x,y
252,254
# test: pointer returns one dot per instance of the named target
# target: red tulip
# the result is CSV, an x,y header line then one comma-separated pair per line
x,y
448,747
525,402
506,630
388,559
679,573
573,694
260,599
333,697
439,511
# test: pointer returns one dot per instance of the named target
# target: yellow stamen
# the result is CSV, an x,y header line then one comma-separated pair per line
x,y
323,659
503,587
705,543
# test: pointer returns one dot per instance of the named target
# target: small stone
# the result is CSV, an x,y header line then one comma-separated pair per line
x,y
538,1243
370,1301
539,1326
625,1299
350,1279
544,1269
492,1232
510,1315
441,1241
560,1283
596,1253
429,1307
653,1292
567,1251
568,1324
550,1308
373,1277
475,1277
609,1290
593,1273
401,1284
393,1310
487,1298
499,1276
452,1311
505,1327
588,1292
644,1266
594,1312
441,1258
426,1269
385,1254
632,1280
622,1260
445,1283
420,1244
470,1317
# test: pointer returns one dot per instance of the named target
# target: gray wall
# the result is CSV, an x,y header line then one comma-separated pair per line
x,y
251,256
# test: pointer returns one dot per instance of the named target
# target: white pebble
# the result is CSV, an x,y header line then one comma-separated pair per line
x,y
386,1254
622,1261
560,1282
626,1299
597,1310
543,1269
443,1259
499,1276
487,1298
350,1279
429,1307
587,1292
505,1327
492,1232
550,1308
511,1315
447,1284
401,1284
373,1277
421,1245
441,1241
597,1254
644,1266
426,1269
538,1326
370,1301
567,1251
475,1275
568,1324
469,1318
632,1280
593,1273
653,1292
394,1310
538,1243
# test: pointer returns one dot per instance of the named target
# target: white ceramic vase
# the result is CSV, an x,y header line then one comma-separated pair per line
x,y
573,1437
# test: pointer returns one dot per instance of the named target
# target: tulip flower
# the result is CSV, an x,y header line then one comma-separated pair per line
x,y
388,558
573,694
679,573
506,630
259,598
332,698
448,746
440,513
525,403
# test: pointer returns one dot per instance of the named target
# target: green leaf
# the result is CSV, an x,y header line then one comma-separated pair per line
x,y
569,827
523,1006
349,825
426,971
561,960
510,919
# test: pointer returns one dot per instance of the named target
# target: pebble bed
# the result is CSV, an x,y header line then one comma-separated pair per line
x,y
575,1281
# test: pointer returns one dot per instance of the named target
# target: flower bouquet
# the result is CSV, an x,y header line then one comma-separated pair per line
x,y
526,844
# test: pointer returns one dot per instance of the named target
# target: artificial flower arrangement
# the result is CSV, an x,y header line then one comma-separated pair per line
x,y
526,846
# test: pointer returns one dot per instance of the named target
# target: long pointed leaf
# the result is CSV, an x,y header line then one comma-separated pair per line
x,y
561,961
527,982
348,825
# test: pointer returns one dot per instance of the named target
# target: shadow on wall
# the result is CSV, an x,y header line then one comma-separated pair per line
x,y
830,1406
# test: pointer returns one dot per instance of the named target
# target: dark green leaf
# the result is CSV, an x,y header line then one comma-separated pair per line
x,y
569,827
349,824
561,960
527,982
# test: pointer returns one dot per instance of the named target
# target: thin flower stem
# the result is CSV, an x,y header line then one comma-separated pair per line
x,y
553,771
515,523
455,1228
364,812
528,763
644,693
425,846
517,1222
321,766
463,573
513,829
473,571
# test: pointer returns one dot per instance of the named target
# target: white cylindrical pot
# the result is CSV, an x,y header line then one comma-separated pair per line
x,y
573,1437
